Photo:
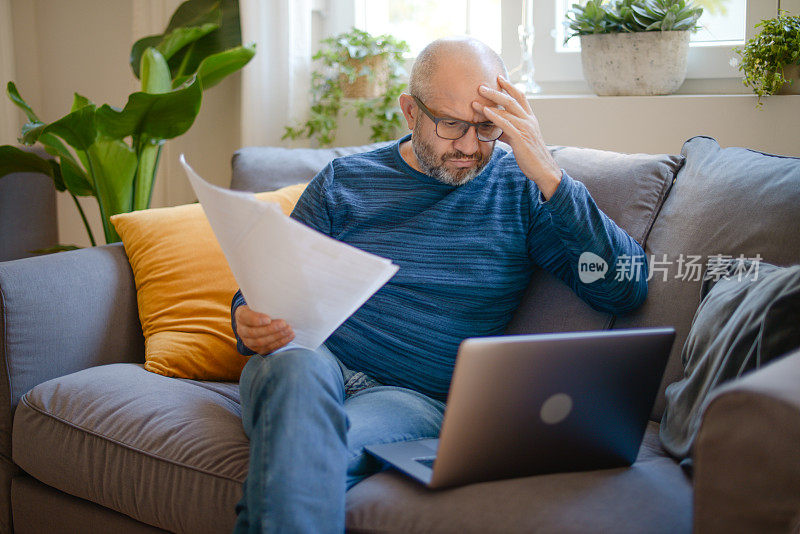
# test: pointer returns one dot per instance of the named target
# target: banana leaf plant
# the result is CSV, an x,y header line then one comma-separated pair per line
x,y
113,154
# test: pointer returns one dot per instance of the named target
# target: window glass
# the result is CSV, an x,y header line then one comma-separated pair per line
x,y
419,22
723,23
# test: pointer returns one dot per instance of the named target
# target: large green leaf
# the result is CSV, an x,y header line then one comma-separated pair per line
x,y
180,37
113,165
155,72
195,13
58,180
67,175
191,14
12,159
77,129
217,67
229,35
138,49
56,147
79,101
75,179
13,94
159,116
31,132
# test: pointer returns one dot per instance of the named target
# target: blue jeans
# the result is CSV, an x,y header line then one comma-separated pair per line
x,y
307,438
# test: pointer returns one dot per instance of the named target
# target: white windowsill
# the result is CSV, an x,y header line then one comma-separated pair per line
x,y
672,97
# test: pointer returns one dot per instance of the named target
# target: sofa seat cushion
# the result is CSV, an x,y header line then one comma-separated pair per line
x,y
172,453
652,496
168,452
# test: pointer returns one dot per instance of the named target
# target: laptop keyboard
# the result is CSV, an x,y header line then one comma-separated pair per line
x,y
427,462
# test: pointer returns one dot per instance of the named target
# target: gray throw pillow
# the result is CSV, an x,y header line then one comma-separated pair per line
x,y
630,189
748,316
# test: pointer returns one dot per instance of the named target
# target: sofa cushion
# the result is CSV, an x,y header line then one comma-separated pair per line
x,y
651,496
172,453
630,189
184,288
169,452
725,201
263,168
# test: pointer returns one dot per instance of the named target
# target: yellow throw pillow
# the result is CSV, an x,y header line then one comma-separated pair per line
x,y
184,289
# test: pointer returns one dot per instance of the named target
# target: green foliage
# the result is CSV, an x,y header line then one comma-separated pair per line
x,y
620,16
765,56
341,58
113,154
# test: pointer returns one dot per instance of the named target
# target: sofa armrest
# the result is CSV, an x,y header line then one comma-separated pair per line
x,y
747,454
61,313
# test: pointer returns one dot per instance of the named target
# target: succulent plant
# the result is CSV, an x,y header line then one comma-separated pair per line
x,y
620,16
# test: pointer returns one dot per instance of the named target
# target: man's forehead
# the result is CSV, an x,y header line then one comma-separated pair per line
x,y
458,104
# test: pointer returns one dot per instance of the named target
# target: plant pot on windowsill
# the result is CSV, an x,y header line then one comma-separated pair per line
x,y
372,84
792,74
639,63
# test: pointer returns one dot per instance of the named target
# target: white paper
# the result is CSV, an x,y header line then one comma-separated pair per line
x,y
284,268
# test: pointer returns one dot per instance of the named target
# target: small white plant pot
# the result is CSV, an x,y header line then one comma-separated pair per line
x,y
642,63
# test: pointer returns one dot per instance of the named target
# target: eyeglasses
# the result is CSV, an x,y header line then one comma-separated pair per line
x,y
453,129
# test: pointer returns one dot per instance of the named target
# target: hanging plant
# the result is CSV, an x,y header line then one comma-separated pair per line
x,y
766,57
356,72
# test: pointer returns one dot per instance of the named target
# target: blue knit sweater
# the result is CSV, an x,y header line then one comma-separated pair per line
x,y
465,255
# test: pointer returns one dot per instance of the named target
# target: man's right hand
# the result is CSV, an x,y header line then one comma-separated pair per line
x,y
259,332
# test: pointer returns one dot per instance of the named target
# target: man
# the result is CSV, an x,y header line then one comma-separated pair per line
x,y
466,224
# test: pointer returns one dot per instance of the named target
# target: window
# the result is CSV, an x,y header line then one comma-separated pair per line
x,y
419,22
726,23
709,55
722,23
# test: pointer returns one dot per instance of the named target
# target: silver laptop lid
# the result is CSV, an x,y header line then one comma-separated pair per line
x,y
521,405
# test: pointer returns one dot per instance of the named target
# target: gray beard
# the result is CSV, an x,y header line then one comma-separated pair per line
x,y
434,166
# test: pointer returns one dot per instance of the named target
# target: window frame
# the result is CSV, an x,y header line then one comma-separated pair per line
x,y
705,61
709,68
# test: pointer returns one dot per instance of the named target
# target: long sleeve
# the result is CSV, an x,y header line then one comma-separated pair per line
x,y
238,300
571,238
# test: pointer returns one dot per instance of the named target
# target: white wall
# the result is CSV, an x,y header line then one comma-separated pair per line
x,y
83,45
663,123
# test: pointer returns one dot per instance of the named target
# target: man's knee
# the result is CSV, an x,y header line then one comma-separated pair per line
x,y
294,368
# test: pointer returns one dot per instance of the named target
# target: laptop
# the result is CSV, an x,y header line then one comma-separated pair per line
x,y
534,404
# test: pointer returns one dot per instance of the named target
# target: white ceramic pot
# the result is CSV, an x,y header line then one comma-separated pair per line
x,y
642,63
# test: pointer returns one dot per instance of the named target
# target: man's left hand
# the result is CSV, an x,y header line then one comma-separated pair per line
x,y
521,131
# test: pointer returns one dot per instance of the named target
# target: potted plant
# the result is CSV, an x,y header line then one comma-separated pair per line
x,y
634,47
112,154
357,71
770,61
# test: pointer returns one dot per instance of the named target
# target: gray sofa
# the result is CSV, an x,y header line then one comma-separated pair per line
x,y
90,442
27,213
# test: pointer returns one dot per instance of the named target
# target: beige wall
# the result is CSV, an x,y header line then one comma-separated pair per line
x,y
654,124
663,123
83,45
61,47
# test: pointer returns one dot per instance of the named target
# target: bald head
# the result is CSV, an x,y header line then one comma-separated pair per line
x,y
461,56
